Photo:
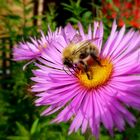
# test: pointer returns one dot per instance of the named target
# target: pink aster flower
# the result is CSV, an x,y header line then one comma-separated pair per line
x,y
29,50
33,49
104,99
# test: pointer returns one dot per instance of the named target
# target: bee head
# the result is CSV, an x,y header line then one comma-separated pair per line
x,y
68,62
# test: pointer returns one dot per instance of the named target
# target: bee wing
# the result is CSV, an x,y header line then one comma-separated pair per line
x,y
77,38
83,44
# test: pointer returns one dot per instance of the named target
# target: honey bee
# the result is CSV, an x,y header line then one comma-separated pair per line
x,y
79,54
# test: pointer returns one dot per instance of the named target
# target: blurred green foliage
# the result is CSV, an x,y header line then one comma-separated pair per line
x,y
78,13
19,118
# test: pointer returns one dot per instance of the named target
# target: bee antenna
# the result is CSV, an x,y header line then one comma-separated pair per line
x,y
71,71
75,68
65,70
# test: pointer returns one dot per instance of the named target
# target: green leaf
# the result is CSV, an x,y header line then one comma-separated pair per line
x,y
104,137
74,20
75,137
66,5
13,17
34,126
110,1
22,129
87,14
18,138
78,3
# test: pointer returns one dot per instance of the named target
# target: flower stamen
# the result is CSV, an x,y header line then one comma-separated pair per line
x,y
100,74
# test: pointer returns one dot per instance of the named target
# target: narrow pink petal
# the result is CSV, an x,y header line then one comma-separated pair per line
x,y
84,125
69,32
123,44
106,48
117,41
81,30
106,119
76,123
131,47
89,32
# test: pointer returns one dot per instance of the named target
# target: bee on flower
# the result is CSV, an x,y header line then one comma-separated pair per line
x,y
89,81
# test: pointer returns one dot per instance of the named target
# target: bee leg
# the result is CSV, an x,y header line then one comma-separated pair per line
x,y
96,59
86,69
99,63
76,67
89,75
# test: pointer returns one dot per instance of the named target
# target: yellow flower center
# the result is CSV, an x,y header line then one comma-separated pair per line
x,y
100,74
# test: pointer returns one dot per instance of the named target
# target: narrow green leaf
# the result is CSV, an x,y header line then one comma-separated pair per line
x,y
74,20
18,138
34,126
22,129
